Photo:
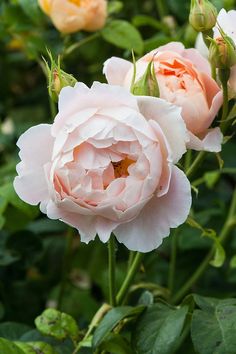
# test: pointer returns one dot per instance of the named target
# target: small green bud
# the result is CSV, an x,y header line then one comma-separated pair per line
x,y
147,85
202,15
222,52
57,78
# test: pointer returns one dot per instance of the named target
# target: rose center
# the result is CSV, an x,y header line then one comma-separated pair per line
x,y
76,2
121,167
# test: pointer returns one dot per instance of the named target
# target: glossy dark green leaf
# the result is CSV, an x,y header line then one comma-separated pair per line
x,y
116,344
158,329
111,320
214,326
13,330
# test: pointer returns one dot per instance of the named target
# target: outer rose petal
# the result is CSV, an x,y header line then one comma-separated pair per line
x,y
211,142
168,116
115,70
36,151
146,232
201,46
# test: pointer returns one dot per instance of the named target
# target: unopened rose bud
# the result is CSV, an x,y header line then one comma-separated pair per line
x,y
147,85
222,52
70,16
202,15
57,79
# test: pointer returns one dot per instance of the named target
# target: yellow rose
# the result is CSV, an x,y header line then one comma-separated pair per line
x,y
74,15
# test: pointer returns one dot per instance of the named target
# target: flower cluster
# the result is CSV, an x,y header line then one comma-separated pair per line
x,y
108,162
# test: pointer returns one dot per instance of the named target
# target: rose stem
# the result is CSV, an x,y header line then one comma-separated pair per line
x,y
191,170
112,270
224,77
129,278
225,232
83,41
172,266
65,266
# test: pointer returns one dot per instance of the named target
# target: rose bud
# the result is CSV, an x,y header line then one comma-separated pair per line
x,y
70,16
222,52
202,15
147,85
57,78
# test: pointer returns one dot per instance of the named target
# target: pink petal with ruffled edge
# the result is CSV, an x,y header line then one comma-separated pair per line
x,y
147,231
35,151
169,118
115,70
211,142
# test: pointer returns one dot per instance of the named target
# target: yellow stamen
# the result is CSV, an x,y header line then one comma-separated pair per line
x,y
121,167
76,2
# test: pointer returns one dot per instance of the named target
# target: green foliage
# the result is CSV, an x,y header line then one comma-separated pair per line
x,y
57,324
124,35
112,319
159,329
213,326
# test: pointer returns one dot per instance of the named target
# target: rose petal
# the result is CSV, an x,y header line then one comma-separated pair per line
x,y
211,142
115,70
31,184
168,116
146,232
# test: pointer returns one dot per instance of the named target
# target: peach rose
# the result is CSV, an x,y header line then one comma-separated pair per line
x,y
184,79
74,15
227,21
107,164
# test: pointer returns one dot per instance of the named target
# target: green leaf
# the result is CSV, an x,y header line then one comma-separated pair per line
x,y
7,347
233,262
214,326
36,347
158,329
31,9
115,343
57,324
211,178
114,7
112,319
25,347
122,34
13,330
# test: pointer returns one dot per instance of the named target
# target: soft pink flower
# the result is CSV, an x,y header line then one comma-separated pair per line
x,y
227,21
107,164
184,79
70,16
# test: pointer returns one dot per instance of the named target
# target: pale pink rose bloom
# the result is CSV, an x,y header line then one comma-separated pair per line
x,y
107,164
70,16
227,21
184,79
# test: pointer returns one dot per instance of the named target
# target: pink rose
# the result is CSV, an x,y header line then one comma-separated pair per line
x,y
107,164
184,79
